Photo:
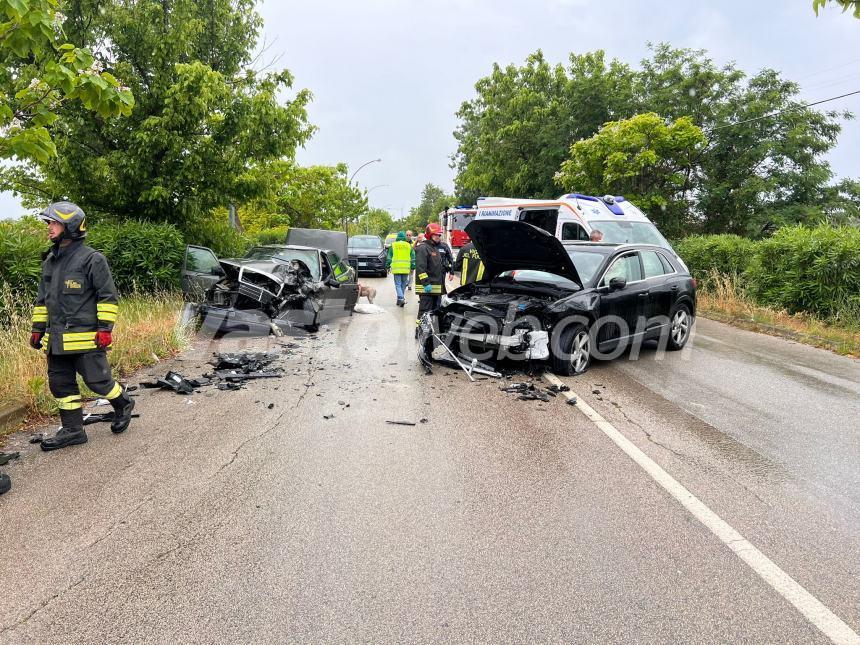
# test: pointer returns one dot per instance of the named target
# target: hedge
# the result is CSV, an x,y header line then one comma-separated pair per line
x,y
723,254
816,270
142,255
275,235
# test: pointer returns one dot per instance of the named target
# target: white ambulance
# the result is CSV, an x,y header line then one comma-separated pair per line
x,y
574,216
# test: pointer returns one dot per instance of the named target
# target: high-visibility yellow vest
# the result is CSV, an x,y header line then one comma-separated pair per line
x,y
401,257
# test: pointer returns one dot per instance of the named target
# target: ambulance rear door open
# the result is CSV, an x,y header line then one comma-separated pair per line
x,y
541,216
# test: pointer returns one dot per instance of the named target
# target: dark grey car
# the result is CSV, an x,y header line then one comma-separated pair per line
x,y
272,286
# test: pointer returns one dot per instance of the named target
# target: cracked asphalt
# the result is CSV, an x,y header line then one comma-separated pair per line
x,y
218,519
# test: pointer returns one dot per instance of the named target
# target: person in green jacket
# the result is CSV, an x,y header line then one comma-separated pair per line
x,y
401,261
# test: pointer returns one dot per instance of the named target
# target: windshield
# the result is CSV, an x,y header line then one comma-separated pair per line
x,y
616,232
586,263
530,275
311,258
365,243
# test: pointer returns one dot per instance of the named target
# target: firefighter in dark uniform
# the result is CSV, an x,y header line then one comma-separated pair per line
x,y
469,264
429,272
72,322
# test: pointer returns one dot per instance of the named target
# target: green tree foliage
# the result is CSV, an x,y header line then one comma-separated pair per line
x,y
643,158
376,221
514,135
304,197
40,72
433,201
852,5
708,256
203,124
763,166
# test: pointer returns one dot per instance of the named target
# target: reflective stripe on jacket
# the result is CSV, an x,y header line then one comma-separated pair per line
x,y
469,264
429,268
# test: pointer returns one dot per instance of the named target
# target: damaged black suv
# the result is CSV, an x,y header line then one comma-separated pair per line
x,y
564,302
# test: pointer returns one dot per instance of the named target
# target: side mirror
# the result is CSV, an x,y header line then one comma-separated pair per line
x,y
216,270
617,283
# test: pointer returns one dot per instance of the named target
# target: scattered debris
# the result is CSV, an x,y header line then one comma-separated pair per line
x,y
401,423
99,417
246,361
529,392
6,457
558,388
571,400
38,437
423,420
270,406
328,416
595,391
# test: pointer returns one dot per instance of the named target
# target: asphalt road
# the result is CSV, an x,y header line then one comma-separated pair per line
x,y
217,518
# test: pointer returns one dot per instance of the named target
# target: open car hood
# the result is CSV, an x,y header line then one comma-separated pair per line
x,y
505,245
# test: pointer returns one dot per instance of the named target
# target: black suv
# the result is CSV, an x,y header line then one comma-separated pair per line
x,y
542,299
367,254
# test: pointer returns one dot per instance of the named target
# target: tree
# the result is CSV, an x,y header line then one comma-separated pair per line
x,y
643,158
376,221
434,200
764,163
515,133
845,4
41,71
204,123
304,197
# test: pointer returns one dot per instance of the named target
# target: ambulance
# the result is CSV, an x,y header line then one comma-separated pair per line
x,y
574,216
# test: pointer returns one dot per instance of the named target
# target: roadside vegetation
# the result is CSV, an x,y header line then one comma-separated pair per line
x,y
802,283
146,331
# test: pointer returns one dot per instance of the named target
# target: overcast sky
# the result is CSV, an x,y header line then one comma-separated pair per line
x,y
388,75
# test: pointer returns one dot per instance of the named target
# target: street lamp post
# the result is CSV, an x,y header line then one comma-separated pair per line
x,y
349,183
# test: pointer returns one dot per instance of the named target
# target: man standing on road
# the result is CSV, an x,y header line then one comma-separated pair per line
x,y
429,272
401,261
469,264
73,318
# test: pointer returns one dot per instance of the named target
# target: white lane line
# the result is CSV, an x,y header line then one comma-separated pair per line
x,y
815,612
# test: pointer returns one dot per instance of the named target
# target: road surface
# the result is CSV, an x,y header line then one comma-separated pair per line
x,y
248,516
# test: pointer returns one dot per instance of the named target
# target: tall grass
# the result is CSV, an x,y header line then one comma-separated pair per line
x,y
146,330
724,298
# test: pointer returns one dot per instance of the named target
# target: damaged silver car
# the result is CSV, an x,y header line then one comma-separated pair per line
x,y
274,288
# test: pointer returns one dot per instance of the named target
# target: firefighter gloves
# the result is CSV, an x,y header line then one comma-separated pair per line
x,y
103,339
36,340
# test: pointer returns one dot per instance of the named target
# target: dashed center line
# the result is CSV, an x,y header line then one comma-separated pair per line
x,y
812,609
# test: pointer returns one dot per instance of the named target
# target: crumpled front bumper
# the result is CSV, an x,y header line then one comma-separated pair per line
x,y
229,320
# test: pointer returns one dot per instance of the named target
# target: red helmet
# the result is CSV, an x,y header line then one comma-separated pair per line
x,y
433,229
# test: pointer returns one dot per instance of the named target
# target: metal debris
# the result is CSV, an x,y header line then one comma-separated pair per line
x,y
100,417
401,423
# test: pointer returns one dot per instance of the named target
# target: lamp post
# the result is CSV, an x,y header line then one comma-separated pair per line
x,y
349,183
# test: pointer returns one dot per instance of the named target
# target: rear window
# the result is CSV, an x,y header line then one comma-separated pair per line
x,y
616,232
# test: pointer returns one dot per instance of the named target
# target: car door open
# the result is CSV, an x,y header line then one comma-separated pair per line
x,y
200,271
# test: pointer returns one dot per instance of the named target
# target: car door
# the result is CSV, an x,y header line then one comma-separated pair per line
x,y
621,310
200,271
662,290
339,300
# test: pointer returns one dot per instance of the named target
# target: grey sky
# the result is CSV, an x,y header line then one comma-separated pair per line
x,y
388,75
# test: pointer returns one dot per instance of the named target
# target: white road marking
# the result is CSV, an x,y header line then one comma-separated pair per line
x,y
812,609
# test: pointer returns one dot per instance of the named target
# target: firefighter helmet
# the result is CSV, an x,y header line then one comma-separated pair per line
x,y
433,229
70,216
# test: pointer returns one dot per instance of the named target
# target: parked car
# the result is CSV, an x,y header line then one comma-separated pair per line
x,y
544,299
367,253
275,285
389,240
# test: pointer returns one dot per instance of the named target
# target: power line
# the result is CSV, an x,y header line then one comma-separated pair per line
x,y
788,109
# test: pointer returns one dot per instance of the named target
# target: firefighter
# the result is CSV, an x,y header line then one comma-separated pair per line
x,y
469,264
75,311
429,271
